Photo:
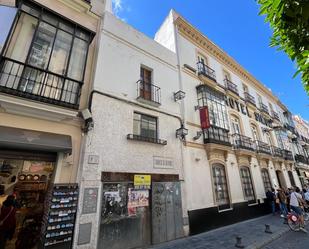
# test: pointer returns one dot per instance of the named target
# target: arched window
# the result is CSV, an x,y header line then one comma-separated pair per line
x,y
268,138
266,179
247,185
235,125
290,173
255,134
220,186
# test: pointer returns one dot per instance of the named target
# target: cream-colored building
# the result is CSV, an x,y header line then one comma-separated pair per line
x,y
238,146
46,68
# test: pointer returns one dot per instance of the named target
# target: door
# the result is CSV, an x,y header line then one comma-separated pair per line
x,y
145,86
281,180
166,212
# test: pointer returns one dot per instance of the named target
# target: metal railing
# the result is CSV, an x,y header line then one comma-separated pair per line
x,y
216,135
249,98
262,147
301,159
206,71
275,115
264,108
146,139
231,86
242,142
287,155
148,92
276,151
20,79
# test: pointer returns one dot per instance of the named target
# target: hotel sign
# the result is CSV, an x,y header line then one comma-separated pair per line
x,y
163,162
236,105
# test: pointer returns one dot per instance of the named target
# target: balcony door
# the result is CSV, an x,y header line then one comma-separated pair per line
x,y
255,134
145,87
235,125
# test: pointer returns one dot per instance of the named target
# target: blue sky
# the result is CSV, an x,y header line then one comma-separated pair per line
x,y
238,29
233,25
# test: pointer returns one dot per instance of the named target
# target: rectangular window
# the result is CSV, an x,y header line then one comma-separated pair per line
x,y
145,126
45,57
247,184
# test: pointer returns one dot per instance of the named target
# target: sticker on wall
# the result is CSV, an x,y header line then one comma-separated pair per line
x,y
142,181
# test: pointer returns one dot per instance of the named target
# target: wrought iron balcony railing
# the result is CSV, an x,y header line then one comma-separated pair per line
x,y
287,155
216,135
275,115
262,147
249,98
148,92
301,159
20,79
277,152
146,139
264,108
205,70
231,86
242,142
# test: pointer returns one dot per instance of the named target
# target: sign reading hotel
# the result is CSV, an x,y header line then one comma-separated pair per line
x,y
142,181
204,117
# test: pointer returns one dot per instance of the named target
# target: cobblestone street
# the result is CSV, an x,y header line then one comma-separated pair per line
x,y
252,233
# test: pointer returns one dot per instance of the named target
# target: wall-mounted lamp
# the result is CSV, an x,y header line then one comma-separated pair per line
x,y
179,95
182,132
198,135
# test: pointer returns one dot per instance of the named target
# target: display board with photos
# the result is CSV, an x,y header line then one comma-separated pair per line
x,y
59,219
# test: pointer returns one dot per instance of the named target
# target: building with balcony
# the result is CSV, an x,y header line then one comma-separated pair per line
x,y
46,65
301,148
244,148
136,115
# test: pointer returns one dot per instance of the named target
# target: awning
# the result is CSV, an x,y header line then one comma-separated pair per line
x,y
13,138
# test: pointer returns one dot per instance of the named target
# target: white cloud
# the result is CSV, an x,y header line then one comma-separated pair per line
x,y
120,8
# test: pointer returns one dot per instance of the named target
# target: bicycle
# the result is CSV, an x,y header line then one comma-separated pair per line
x,y
294,220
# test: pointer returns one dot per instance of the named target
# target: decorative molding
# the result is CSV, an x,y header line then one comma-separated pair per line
x,y
200,40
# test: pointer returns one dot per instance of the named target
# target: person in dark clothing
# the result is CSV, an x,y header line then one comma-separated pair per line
x,y
271,197
7,220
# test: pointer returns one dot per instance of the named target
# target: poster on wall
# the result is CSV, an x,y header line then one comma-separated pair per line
x,y
137,198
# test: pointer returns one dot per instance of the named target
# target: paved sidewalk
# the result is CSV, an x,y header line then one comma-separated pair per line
x,y
252,233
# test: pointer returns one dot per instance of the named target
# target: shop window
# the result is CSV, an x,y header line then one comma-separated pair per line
x,y
291,177
266,180
145,126
220,186
247,184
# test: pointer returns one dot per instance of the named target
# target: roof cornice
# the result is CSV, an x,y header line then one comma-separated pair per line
x,y
194,35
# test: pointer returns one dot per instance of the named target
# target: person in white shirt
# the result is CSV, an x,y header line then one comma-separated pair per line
x,y
306,195
296,201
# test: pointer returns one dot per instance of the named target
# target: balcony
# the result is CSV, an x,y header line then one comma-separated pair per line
x,y
287,155
146,139
206,71
275,115
148,93
231,86
264,108
289,127
301,159
216,135
242,142
26,81
249,98
277,152
262,147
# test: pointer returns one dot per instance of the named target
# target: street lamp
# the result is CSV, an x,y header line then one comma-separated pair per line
x,y
181,132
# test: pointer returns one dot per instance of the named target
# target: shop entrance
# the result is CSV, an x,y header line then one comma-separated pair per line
x,y
280,178
27,177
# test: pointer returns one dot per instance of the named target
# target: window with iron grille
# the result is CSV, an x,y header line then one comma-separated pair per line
x,y
266,180
247,184
44,57
220,185
291,177
145,126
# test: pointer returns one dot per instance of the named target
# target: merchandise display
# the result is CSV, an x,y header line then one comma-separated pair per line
x,y
60,217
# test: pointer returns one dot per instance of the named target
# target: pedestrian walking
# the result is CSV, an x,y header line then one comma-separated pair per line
x,y
282,202
271,197
296,203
